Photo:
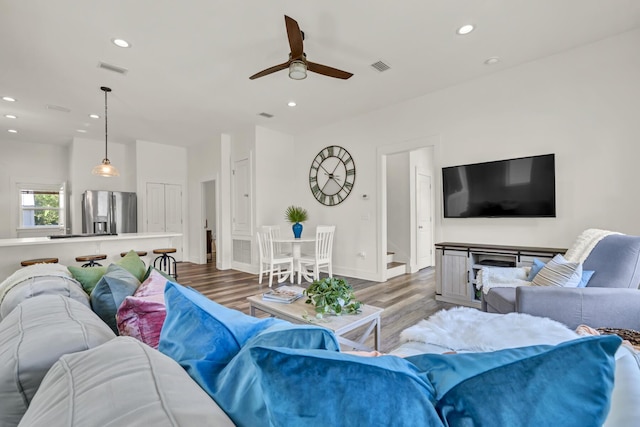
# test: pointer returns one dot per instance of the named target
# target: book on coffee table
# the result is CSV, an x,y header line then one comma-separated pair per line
x,y
283,294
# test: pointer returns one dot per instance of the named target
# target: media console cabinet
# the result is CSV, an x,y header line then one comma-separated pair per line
x,y
457,265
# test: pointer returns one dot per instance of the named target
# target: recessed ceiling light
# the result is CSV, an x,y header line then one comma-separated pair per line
x,y
12,131
94,116
465,29
10,116
81,130
8,99
121,43
492,60
291,104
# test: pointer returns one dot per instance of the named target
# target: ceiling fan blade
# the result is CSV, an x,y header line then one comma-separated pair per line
x,y
295,37
328,71
270,70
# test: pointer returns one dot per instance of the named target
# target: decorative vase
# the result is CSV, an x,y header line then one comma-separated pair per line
x,y
297,230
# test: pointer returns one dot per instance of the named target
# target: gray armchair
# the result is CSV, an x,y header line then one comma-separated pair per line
x,y
611,298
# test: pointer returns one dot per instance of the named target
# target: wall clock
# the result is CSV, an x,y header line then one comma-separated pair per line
x,y
332,175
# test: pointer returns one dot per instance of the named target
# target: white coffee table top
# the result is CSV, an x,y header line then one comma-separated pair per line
x,y
299,312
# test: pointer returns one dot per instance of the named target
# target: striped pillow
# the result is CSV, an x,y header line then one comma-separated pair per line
x,y
559,272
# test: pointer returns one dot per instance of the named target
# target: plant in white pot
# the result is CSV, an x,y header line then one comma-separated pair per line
x,y
296,215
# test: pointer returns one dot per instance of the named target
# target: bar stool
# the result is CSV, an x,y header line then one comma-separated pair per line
x,y
28,262
91,260
166,262
140,253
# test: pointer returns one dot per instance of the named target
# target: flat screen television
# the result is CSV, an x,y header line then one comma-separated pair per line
x,y
523,187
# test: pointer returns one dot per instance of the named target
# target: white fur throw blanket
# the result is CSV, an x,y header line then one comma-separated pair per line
x,y
467,329
502,277
585,242
36,270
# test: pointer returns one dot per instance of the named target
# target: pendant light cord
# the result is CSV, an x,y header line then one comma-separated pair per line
x,y
105,125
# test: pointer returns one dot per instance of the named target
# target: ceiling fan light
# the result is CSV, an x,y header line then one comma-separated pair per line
x,y
105,169
298,70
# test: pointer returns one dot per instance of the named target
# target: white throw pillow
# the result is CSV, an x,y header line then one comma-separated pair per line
x,y
559,272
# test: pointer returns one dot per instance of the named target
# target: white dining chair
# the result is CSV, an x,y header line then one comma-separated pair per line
x,y
309,266
271,262
274,231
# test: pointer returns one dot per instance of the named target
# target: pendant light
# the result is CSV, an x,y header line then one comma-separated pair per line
x,y
105,168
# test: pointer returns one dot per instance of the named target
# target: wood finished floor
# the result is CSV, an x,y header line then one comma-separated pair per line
x,y
406,299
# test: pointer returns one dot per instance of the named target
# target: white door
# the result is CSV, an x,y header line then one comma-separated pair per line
x,y
241,196
173,208
155,207
424,237
164,207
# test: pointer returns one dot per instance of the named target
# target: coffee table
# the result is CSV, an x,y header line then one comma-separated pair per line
x,y
340,325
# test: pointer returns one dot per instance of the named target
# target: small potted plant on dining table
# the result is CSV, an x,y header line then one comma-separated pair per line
x,y
296,215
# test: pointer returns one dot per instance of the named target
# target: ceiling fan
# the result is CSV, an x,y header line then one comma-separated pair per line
x,y
297,63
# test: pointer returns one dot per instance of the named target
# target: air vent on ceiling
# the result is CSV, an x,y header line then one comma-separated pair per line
x,y
267,115
113,68
380,66
57,108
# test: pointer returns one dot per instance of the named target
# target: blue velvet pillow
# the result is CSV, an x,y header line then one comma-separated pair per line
x,y
535,268
323,388
237,389
203,336
565,385
110,291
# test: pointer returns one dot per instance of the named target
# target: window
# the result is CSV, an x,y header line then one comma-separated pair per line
x,y
41,205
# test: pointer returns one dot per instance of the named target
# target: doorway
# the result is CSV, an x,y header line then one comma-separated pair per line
x,y
209,219
407,205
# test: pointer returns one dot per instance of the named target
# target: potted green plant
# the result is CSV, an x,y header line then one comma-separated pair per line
x,y
296,215
332,295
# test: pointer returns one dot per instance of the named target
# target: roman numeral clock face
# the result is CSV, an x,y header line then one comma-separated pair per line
x,y
332,175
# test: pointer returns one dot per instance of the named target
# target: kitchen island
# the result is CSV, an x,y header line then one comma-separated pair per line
x,y
12,251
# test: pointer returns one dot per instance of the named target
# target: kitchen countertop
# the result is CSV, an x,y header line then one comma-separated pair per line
x,y
26,241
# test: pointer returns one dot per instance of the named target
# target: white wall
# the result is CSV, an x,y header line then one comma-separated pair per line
x,y
26,162
273,177
84,154
581,105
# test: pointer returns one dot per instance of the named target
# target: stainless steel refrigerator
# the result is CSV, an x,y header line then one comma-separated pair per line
x,y
109,212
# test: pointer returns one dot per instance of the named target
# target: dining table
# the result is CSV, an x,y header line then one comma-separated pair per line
x,y
296,251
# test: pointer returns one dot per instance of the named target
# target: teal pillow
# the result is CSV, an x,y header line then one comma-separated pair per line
x,y
116,284
238,390
565,385
204,336
324,388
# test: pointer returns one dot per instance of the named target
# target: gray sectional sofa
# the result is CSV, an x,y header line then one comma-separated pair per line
x,y
610,299
61,365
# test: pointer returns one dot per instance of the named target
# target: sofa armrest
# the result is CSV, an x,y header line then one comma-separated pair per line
x,y
595,307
